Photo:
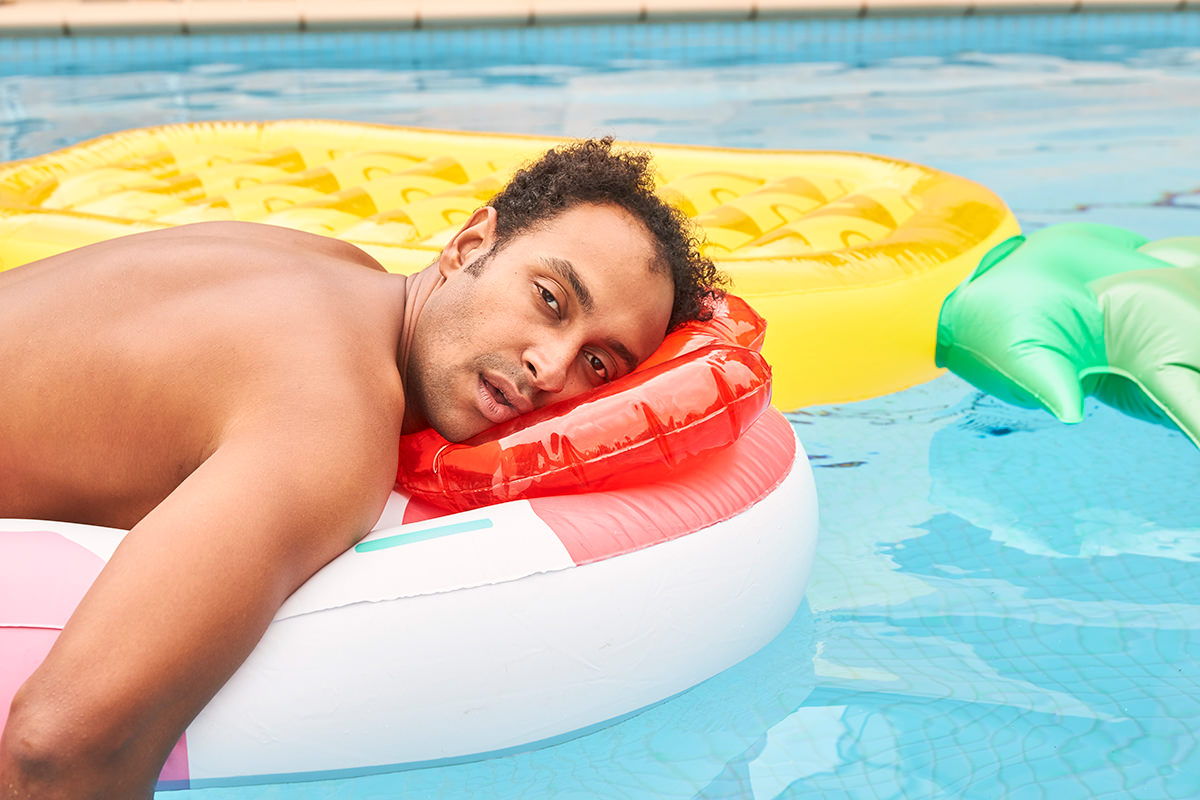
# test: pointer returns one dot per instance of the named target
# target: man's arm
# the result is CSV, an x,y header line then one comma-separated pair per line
x,y
181,604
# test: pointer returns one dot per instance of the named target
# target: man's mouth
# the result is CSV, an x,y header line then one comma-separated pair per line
x,y
495,403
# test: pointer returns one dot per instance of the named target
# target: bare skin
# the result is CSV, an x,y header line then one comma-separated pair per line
x,y
233,393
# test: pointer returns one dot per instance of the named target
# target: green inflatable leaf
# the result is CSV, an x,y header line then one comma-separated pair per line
x,y
1080,309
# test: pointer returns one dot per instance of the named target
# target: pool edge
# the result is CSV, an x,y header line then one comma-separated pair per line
x,y
173,17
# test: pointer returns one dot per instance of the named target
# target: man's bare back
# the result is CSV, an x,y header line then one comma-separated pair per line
x,y
149,352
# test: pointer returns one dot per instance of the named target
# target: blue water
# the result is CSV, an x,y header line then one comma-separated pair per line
x,y
1002,606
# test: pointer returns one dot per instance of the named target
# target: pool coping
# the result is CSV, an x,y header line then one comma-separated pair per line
x,y
22,18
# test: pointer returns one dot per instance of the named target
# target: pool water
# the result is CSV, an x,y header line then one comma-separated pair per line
x,y
1002,606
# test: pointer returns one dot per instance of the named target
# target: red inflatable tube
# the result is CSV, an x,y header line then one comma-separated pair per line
x,y
703,387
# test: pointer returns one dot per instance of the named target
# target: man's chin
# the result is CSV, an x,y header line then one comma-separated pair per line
x,y
457,422
455,438
460,429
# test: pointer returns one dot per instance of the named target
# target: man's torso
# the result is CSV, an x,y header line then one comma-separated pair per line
x,y
126,364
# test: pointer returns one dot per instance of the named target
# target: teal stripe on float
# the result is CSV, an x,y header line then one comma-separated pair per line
x,y
423,535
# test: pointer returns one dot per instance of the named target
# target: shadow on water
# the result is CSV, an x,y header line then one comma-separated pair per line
x,y
1109,486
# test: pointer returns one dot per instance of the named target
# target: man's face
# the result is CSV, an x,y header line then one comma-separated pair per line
x,y
560,309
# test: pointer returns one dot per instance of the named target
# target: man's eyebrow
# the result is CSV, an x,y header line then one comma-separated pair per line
x,y
567,272
623,353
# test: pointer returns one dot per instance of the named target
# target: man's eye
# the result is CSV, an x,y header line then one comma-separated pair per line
x,y
549,298
597,364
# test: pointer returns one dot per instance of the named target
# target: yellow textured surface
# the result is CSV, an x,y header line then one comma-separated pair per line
x,y
848,256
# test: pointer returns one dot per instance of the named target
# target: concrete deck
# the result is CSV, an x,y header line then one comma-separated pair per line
x,y
83,17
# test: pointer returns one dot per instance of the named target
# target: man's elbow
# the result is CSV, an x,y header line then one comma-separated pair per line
x,y
51,750
32,747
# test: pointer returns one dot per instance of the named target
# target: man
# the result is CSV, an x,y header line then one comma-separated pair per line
x,y
233,393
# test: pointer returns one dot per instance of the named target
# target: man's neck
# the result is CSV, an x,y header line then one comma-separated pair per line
x,y
419,287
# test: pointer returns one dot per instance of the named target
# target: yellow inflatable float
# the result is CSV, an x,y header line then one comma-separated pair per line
x,y
848,256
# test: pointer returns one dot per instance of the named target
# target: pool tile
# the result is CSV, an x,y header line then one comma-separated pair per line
x,y
485,13
572,11
1023,6
41,19
662,10
216,16
911,8
124,18
360,15
1130,5
793,9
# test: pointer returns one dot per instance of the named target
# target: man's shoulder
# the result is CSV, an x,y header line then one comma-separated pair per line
x,y
264,235
318,437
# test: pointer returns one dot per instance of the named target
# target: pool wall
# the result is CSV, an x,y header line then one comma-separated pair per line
x,y
107,17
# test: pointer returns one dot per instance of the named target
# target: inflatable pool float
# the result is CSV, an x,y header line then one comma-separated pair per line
x,y
848,256
445,637
1082,309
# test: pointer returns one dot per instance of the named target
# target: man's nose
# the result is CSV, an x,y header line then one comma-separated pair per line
x,y
549,366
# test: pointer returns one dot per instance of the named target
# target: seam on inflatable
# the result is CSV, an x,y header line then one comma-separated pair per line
x,y
1153,396
434,593
29,627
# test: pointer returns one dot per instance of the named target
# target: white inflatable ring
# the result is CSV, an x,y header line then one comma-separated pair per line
x,y
452,638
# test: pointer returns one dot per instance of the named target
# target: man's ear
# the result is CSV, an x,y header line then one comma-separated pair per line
x,y
475,238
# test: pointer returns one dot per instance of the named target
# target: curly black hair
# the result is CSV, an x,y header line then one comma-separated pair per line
x,y
590,171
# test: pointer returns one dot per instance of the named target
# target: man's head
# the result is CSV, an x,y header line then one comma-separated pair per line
x,y
570,278
591,172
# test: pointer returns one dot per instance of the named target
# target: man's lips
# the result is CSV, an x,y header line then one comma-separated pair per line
x,y
501,401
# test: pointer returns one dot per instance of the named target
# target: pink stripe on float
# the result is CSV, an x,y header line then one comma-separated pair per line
x,y
174,773
419,510
600,525
43,576
21,651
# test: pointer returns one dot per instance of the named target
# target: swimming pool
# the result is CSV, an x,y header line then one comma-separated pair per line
x,y
1002,606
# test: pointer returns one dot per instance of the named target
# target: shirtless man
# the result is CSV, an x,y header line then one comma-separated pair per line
x,y
233,393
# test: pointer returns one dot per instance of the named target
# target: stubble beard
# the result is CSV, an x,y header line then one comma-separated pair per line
x,y
447,395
